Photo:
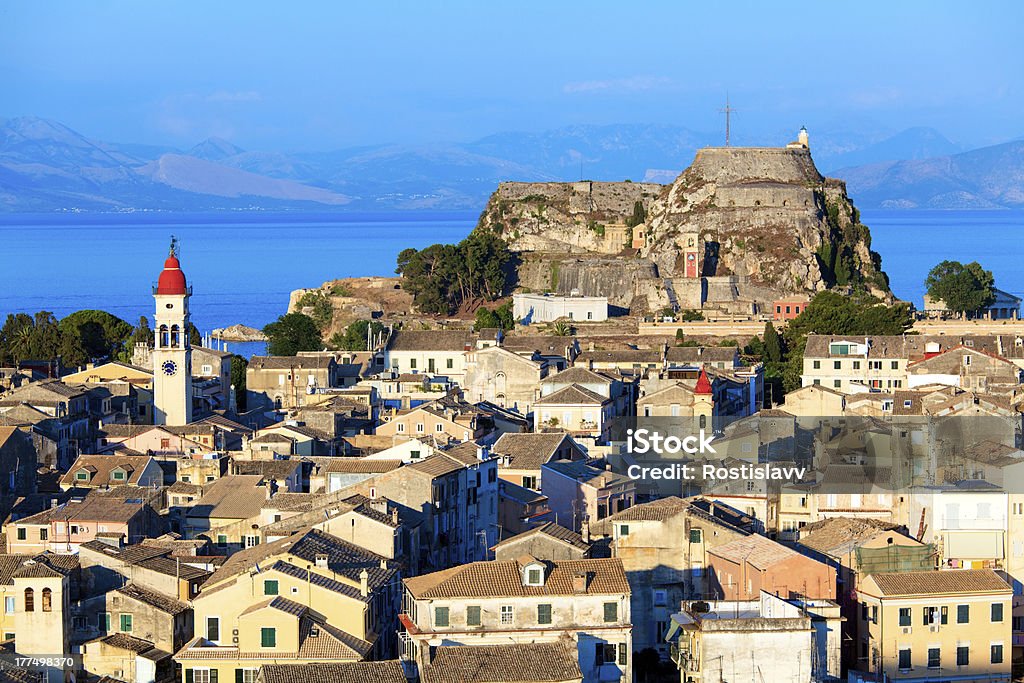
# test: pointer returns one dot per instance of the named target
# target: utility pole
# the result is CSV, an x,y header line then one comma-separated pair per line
x,y
728,111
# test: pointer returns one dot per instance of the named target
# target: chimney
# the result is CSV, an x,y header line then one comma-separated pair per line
x,y
585,530
579,582
383,563
271,489
591,346
394,516
364,582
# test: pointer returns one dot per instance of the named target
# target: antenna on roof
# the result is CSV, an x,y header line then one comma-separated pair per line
x,y
728,111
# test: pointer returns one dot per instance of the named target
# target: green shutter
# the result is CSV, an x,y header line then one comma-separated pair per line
x,y
473,615
268,638
543,614
270,587
441,616
190,676
238,676
611,612
213,676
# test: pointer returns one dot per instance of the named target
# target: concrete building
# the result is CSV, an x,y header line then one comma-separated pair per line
x,y
935,625
764,639
544,308
434,352
506,379
287,382
579,493
741,569
525,601
548,541
521,457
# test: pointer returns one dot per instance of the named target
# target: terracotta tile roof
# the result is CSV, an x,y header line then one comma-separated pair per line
x,y
528,451
515,663
268,469
236,496
503,579
587,474
655,511
552,530
701,354
577,375
431,340
139,646
152,598
362,465
837,535
101,468
641,356
436,465
279,603
317,641
176,568
289,362
354,672
571,395
755,550
947,582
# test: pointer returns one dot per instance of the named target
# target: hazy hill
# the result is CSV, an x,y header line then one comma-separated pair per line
x,y
986,178
46,166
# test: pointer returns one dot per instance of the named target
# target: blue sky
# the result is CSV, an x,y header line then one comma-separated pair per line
x,y
323,75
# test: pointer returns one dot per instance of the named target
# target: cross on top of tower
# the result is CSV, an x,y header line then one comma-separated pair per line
x,y
174,246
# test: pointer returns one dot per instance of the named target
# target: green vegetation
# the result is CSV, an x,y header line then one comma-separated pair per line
x,y
680,337
354,337
322,310
500,317
834,313
77,339
965,289
442,277
690,315
837,256
596,227
238,367
554,271
292,333
562,328
339,289
639,215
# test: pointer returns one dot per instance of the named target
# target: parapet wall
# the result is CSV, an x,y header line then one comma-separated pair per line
x,y
585,196
724,165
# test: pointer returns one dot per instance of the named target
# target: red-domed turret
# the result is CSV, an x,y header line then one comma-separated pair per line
x,y
703,384
172,280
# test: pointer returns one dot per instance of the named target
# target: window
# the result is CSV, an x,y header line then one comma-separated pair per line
x,y
449,363
817,365
856,365
963,614
895,365
103,621
268,637
473,615
47,600
441,616
222,540
837,383
506,614
837,365
82,476
997,611
696,535
934,658
997,654
963,655
126,623
930,615
30,600
529,482
118,475
904,658
200,676
944,619
439,427
9,605
874,614
246,675
213,628
623,654
22,533
905,616
419,427
412,363
623,530
270,587
533,577
543,614
611,612
401,427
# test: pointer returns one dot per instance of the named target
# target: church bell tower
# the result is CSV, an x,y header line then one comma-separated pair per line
x,y
172,354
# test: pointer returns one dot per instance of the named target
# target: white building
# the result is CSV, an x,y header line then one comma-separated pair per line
x,y
543,308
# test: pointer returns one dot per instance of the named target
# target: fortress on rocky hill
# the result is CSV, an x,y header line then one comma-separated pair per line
x,y
740,228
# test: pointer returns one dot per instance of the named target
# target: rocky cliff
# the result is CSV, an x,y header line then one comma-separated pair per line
x,y
762,222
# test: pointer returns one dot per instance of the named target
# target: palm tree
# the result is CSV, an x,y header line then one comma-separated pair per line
x,y
562,329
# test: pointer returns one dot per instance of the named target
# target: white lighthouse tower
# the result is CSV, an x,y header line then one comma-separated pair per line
x,y
172,354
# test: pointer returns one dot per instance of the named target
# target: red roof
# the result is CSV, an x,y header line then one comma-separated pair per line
x,y
172,280
703,384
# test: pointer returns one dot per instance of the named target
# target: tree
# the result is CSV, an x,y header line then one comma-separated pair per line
x,y
194,337
291,333
141,335
836,314
562,328
102,334
238,367
501,317
322,310
772,344
965,289
639,215
354,337
680,337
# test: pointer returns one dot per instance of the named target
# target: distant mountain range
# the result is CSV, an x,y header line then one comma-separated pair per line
x,y
46,166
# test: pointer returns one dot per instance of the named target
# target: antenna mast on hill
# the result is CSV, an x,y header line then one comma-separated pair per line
x,y
728,111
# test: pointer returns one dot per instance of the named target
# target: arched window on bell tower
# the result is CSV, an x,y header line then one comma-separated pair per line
x,y
30,600
47,600
163,338
175,336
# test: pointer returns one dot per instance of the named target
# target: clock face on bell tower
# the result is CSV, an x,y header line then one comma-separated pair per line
x,y
169,367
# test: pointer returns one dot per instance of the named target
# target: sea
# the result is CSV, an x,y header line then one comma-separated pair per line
x,y
242,266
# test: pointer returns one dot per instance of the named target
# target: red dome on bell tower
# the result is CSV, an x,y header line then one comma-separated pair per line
x,y
703,384
172,280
